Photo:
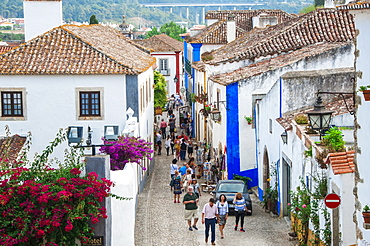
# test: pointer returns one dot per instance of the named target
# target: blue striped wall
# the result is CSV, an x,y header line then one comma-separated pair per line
x,y
233,137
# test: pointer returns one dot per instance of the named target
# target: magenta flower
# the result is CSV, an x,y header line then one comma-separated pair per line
x,y
304,206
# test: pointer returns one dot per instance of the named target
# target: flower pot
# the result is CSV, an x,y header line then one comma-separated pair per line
x,y
366,216
366,95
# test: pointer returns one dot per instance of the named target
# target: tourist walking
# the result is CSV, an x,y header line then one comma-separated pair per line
x,y
190,149
173,167
159,142
209,218
187,180
167,145
196,188
163,128
183,147
223,212
191,208
172,143
240,208
172,125
177,186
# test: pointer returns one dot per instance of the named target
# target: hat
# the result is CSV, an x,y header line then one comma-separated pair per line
x,y
190,188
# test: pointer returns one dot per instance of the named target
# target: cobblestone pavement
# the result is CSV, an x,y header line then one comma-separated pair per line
x,y
159,221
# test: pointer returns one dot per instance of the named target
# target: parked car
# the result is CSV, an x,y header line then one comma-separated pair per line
x,y
230,188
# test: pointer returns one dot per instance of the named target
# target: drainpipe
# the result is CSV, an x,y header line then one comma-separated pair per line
x,y
196,57
177,53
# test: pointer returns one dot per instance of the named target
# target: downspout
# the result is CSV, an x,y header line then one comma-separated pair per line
x,y
196,57
185,58
177,53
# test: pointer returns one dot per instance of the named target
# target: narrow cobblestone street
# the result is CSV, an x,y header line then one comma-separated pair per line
x,y
159,221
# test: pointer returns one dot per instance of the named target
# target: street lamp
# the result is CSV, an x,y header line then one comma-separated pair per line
x,y
284,137
215,115
319,116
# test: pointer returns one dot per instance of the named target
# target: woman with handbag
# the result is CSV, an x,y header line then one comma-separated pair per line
x,y
223,212
240,208
177,186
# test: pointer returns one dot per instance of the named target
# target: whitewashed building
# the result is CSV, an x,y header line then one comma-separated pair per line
x,y
75,76
169,55
361,13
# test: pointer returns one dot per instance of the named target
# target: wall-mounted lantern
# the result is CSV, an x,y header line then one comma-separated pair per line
x,y
74,134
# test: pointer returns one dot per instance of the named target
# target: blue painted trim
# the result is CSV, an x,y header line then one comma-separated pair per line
x,y
278,186
281,98
186,79
232,130
196,52
251,173
260,194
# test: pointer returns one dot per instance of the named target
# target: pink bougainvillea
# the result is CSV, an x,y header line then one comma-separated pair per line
x,y
127,149
46,206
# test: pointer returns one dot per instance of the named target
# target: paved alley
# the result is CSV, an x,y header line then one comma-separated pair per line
x,y
159,221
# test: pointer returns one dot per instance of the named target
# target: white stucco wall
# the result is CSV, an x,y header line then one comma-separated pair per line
x,y
51,104
362,22
146,81
41,16
337,58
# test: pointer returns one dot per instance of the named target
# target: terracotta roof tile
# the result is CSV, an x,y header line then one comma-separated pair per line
x,y
357,5
217,32
4,49
161,42
321,25
271,64
11,146
70,49
341,162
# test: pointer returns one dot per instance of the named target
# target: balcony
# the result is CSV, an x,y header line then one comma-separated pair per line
x,y
165,72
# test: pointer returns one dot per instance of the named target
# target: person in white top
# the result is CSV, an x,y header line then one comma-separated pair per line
x,y
167,145
173,168
209,218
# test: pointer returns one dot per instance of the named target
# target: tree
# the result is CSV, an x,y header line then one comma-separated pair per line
x,y
319,3
171,29
93,20
308,9
160,92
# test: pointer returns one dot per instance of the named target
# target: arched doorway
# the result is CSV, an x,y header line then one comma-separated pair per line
x,y
266,170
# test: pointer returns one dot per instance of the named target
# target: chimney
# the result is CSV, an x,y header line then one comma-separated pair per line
x,y
231,28
41,16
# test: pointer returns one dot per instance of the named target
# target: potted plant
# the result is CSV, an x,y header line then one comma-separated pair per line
x,y
366,214
365,90
248,119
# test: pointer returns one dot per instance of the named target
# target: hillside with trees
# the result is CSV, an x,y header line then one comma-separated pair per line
x,y
112,10
104,10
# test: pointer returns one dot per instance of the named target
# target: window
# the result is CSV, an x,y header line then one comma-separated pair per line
x,y
90,103
11,104
163,67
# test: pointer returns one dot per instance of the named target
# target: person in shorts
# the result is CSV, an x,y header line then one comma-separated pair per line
x,y
191,208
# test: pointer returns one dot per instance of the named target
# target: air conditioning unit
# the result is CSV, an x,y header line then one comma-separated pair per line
x,y
111,132
74,134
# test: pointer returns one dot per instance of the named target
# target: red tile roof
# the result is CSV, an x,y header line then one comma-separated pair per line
x,y
271,64
70,49
4,49
341,162
243,18
217,32
11,146
357,5
161,42
321,25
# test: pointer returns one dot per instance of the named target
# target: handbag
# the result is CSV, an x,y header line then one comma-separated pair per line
x,y
172,182
175,130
